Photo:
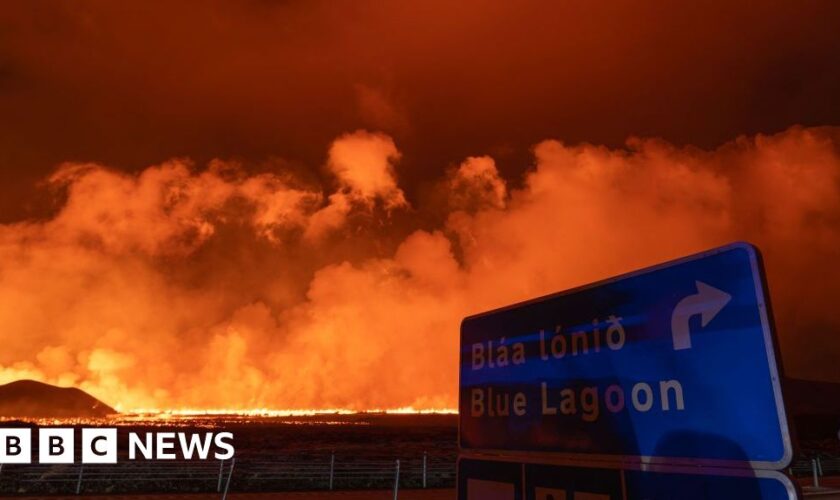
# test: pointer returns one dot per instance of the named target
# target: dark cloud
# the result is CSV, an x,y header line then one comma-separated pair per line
x,y
131,84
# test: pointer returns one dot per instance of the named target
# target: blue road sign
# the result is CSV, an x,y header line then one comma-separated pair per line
x,y
671,364
480,479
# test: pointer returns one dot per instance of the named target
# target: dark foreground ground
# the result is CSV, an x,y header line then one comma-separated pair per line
x,y
295,458
436,494
349,452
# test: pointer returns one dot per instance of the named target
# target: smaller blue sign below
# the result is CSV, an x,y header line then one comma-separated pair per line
x,y
489,480
671,364
480,479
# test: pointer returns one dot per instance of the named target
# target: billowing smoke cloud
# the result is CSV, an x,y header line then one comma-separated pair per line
x,y
362,164
186,286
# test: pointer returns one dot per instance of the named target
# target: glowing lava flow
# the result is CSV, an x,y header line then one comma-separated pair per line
x,y
153,413
214,417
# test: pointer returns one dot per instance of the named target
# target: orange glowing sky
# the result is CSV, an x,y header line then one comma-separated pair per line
x,y
293,204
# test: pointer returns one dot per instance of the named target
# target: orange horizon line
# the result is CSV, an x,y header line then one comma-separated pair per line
x,y
284,411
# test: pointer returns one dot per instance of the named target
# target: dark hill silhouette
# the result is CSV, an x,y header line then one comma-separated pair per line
x,y
31,399
812,397
814,407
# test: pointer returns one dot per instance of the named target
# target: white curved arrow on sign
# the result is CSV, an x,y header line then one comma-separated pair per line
x,y
707,302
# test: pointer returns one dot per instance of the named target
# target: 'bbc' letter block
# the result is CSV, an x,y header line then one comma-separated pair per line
x,y
55,446
99,446
15,446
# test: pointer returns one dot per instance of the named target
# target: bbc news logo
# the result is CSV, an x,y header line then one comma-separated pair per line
x,y
100,446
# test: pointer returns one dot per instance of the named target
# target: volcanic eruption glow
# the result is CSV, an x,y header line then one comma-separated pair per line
x,y
246,205
203,287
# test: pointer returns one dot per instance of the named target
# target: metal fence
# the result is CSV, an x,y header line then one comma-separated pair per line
x,y
240,474
261,473
815,467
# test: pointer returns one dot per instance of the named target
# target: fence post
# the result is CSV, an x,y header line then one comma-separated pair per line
x,y
230,474
424,469
79,482
814,472
332,469
221,468
819,466
397,480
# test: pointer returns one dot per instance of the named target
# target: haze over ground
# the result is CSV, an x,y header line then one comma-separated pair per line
x,y
294,204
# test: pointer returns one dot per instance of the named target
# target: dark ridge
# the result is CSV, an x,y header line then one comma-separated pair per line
x,y
812,397
814,408
31,399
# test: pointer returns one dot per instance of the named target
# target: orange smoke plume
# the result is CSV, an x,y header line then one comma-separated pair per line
x,y
215,288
